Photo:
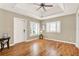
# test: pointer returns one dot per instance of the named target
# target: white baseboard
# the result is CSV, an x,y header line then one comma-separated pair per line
x,y
31,40
6,45
61,41
47,39
64,42
19,42
77,46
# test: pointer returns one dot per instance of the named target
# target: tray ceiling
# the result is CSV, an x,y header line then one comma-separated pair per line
x,y
29,9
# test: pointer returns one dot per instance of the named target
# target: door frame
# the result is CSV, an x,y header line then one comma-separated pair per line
x,y
17,18
77,27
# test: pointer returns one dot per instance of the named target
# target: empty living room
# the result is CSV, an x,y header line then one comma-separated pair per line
x,y
39,29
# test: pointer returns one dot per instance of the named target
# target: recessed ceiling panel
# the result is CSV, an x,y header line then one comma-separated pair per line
x,y
30,9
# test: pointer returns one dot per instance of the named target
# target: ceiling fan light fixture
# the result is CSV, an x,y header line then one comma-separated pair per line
x,y
43,5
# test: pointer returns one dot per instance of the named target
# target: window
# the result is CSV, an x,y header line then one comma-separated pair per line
x,y
53,26
34,28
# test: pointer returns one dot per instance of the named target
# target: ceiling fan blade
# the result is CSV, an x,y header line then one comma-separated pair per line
x,y
48,5
44,8
38,8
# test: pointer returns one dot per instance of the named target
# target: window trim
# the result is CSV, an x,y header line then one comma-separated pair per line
x,y
57,31
38,30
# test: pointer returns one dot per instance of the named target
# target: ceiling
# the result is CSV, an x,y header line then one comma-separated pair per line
x,y
29,9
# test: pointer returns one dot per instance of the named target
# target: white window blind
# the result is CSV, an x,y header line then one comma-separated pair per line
x,y
53,26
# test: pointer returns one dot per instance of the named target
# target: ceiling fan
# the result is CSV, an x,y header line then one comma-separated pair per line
x,y
43,5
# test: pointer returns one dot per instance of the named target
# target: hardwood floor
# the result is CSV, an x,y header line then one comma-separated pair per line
x,y
41,48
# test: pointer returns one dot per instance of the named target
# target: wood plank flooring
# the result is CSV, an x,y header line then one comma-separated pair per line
x,y
41,48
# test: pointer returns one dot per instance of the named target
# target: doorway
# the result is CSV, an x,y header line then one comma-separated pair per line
x,y
19,30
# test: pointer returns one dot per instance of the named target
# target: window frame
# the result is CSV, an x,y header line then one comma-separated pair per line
x,y
31,28
57,28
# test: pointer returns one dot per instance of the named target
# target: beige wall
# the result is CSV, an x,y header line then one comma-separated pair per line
x,y
6,23
68,28
68,24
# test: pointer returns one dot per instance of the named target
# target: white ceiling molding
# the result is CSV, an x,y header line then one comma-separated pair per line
x,y
53,16
29,9
62,6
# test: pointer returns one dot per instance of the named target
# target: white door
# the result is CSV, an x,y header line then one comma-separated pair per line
x,y
19,30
